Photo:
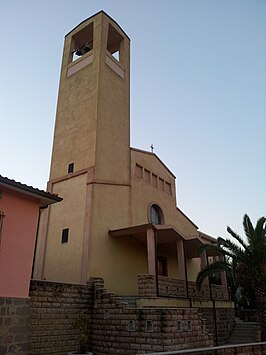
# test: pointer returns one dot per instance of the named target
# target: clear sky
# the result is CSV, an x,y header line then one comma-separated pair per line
x,y
198,93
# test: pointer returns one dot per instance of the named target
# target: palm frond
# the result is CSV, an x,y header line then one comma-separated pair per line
x,y
230,248
260,236
209,270
234,265
237,237
249,229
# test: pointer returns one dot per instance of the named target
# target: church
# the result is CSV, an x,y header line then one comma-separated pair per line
x,y
118,219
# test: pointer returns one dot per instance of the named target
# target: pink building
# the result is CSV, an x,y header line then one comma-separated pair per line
x,y
19,214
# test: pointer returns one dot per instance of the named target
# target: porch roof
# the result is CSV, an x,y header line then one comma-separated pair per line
x,y
166,234
192,244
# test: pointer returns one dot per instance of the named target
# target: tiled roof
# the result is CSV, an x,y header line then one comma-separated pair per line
x,y
44,196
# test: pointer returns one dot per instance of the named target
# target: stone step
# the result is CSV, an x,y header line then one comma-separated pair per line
x,y
244,332
130,301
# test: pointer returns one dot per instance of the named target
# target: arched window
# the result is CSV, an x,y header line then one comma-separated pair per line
x,y
155,215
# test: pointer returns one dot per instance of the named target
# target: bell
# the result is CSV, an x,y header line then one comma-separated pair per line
x,y
87,47
78,52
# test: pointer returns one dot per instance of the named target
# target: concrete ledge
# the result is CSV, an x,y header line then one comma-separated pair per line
x,y
214,349
162,303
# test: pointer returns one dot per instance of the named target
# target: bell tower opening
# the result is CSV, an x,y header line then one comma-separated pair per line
x,y
114,42
82,42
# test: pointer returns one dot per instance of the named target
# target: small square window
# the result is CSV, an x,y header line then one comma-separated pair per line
x,y
131,326
106,314
70,168
149,326
65,235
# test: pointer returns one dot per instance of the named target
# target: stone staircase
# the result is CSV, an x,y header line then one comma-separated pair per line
x,y
130,300
244,332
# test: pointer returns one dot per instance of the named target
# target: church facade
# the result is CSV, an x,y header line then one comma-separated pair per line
x,y
119,218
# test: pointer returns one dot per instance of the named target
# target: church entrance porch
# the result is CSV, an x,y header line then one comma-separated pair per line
x,y
171,261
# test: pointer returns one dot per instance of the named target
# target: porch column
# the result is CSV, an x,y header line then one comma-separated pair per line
x,y
182,266
151,251
204,260
181,260
204,263
223,273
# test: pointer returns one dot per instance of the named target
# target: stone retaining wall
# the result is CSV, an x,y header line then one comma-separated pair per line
x,y
117,329
225,322
54,306
14,326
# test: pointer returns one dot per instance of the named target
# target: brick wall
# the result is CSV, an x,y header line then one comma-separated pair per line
x,y
169,286
224,320
14,326
147,285
173,287
117,329
54,306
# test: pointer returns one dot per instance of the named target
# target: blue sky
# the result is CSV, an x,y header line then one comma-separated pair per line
x,y
198,93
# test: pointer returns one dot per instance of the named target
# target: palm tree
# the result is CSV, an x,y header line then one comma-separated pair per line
x,y
243,257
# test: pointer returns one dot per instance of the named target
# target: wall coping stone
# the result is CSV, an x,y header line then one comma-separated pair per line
x,y
213,348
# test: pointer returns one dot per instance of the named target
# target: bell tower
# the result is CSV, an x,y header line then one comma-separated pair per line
x,y
91,150
92,120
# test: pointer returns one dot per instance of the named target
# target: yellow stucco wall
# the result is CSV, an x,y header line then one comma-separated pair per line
x,y
76,118
144,193
63,261
117,260
193,267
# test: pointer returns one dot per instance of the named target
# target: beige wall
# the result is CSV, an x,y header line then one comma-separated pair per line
x,y
193,267
143,194
118,261
169,251
63,261
112,143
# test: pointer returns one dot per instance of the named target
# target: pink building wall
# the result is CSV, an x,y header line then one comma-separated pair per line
x,y
17,242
